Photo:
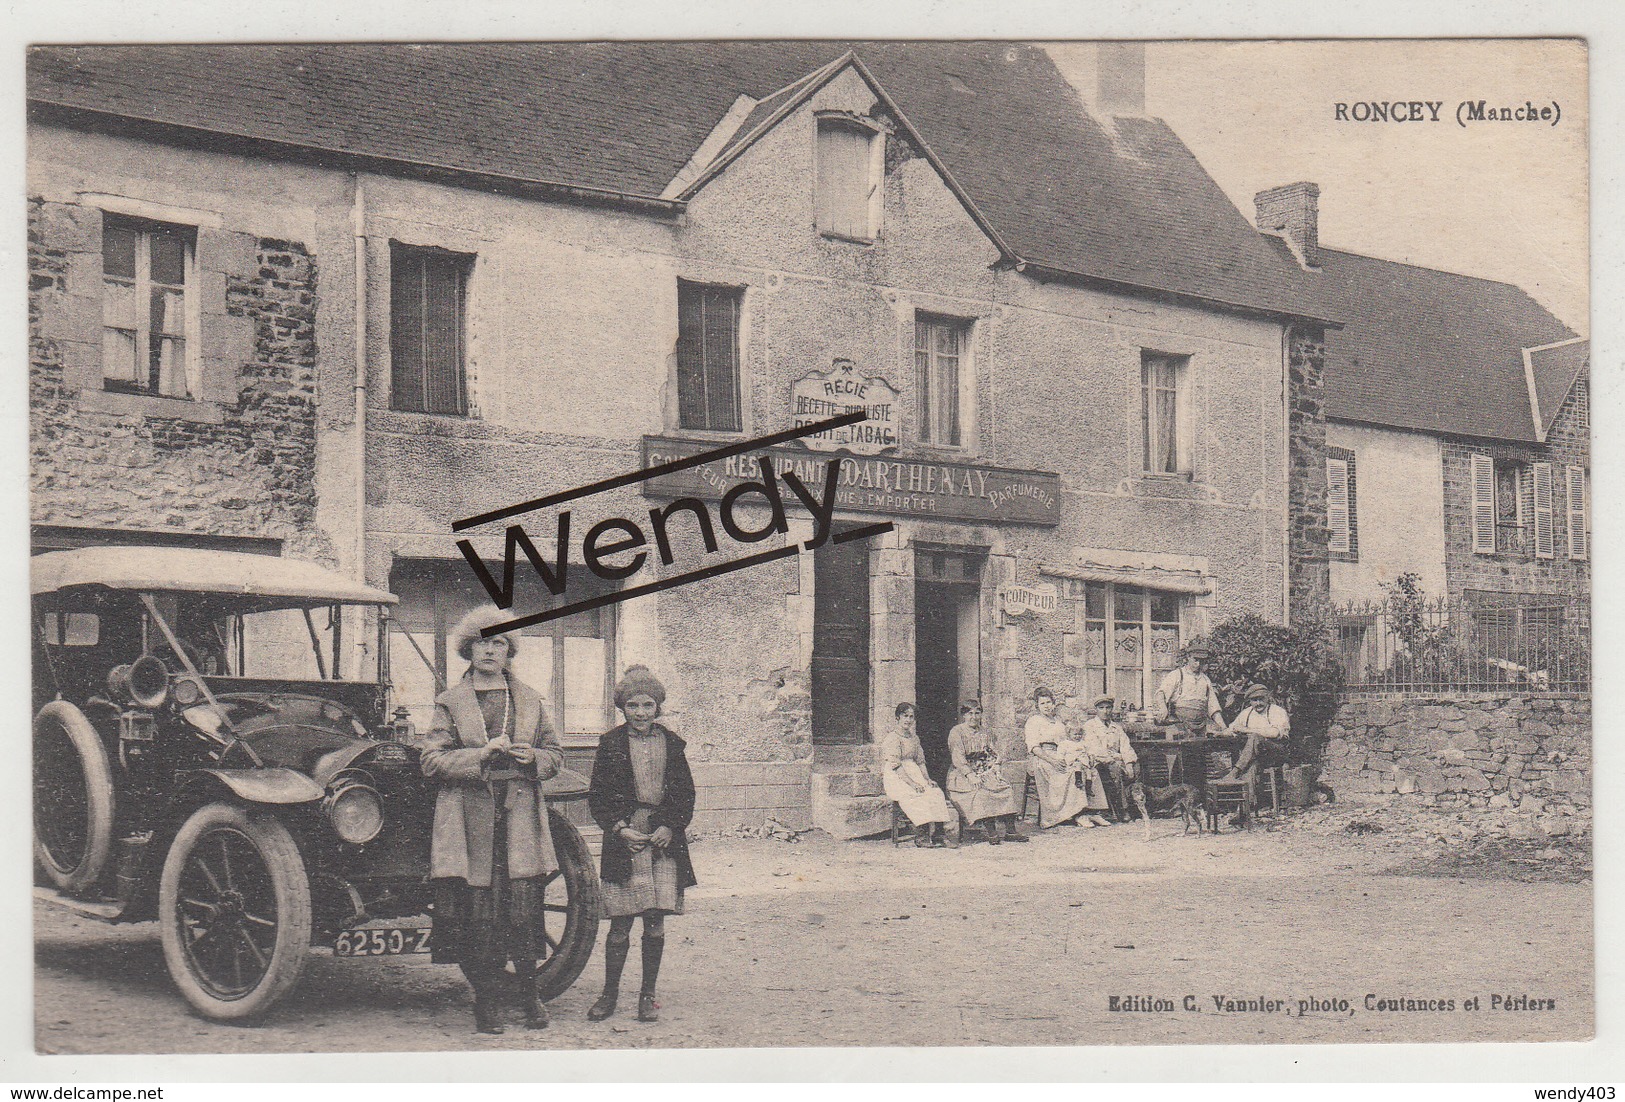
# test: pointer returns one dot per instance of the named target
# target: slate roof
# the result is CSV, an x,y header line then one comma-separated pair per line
x,y
1117,201
1429,350
1552,371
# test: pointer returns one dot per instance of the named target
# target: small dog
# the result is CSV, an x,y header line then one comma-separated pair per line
x,y
1184,799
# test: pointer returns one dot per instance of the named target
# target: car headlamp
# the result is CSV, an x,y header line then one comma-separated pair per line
x,y
356,812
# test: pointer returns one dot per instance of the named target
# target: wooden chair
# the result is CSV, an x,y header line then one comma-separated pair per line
x,y
1270,783
901,828
1229,798
1029,799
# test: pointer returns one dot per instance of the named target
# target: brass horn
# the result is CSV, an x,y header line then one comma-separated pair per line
x,y
144,682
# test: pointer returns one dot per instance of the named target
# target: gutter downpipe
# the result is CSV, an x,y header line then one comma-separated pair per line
x,y
1286,473
358,228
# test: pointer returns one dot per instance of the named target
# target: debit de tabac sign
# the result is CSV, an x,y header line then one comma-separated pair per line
x,y
890,485
821,394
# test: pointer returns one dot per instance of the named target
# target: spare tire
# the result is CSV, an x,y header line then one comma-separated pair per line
x,y
73,798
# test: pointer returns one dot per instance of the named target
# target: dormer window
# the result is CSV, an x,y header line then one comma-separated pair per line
x,y
850,170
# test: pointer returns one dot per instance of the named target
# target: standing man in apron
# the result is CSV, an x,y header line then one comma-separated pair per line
x,y
1188,696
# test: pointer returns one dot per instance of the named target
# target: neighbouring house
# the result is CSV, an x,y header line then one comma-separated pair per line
x,y
325,301
1457,444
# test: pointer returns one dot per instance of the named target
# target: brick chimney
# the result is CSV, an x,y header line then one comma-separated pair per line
x,y
1292,213
1120,78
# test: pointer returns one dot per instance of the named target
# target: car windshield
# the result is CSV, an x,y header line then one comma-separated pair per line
x,y
324,643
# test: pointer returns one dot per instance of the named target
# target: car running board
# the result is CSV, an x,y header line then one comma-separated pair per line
x,y
107,912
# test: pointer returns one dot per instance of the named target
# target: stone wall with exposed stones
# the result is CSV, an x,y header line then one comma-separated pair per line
x,y
1518,764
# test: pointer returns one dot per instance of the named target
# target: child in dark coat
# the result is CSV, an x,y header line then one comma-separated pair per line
x,y
642,796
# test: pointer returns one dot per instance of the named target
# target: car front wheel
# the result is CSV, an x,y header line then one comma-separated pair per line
x,y
234,906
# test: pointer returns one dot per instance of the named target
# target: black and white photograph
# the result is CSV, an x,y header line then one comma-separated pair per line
x,y
808,542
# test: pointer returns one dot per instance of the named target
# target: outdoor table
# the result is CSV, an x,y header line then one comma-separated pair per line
x,y
1186,757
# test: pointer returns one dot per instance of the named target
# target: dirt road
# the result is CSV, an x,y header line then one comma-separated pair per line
x,y
855,943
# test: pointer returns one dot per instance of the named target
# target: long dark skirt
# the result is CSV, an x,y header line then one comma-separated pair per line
x,y
499,923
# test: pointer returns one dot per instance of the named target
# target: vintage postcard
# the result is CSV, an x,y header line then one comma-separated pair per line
x,y
674,544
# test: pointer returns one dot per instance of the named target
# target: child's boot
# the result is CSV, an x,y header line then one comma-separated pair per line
x,y
615,949
653,947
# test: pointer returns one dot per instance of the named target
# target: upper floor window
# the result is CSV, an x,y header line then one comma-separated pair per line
x,y
1512,507
428,302
147,268
708,357
1162,418
850,171
941,351
1342,505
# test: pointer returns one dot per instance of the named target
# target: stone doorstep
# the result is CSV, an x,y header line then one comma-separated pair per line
x,y
840,786
845,818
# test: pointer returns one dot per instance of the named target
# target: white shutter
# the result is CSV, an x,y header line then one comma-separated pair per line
x,y
1576,502
1337,504
1545,537
1483,472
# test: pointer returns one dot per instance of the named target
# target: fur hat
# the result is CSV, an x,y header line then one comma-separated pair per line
x,y
639,681
467,632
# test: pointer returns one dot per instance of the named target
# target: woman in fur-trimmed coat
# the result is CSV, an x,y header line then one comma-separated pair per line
x,y
489,750
642,795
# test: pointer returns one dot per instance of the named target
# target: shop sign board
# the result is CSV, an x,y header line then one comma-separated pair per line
x,y
1025,600
821,395
889,485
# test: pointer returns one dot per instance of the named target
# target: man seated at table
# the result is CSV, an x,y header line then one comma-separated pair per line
x,y
1111,755
1266,727
1188,696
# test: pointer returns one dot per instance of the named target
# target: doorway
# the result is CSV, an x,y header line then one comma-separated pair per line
x,y
840,658
947,646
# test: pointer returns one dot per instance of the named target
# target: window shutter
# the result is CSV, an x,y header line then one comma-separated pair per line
x,y
1545,536
1337,505
1483,476
1576,502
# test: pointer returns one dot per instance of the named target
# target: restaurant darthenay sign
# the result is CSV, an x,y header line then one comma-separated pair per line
x,y
891,485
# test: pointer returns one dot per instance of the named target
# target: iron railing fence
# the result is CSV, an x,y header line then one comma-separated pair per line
x,y
1489,643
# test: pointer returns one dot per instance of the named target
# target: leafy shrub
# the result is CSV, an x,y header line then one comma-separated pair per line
x,y
1300,664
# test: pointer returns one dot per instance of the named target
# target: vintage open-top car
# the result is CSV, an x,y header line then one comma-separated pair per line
x,y
214,749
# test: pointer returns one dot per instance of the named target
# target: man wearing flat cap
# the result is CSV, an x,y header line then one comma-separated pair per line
x,y
1266,727
1188,696
1110,753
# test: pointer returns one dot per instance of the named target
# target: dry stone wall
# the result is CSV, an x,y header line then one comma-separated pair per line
x,y
1519,765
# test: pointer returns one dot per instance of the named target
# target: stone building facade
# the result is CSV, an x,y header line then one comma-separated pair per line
x,y
1106,470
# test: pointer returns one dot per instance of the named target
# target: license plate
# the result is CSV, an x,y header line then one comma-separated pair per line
x,y
382,943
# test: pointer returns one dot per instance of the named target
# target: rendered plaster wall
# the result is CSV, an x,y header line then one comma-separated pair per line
x,y
1057,388
243,456
1399,507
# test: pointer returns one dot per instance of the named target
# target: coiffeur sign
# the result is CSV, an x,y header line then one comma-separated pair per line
x,y
1024,600
865,484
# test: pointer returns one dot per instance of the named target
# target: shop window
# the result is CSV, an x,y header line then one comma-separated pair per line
x,y
849,178
570,661
708,357
941,353
428,301
147,268
1131,639
1163,413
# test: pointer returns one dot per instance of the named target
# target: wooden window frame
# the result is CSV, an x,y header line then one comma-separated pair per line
x,y
700,413
188,373
1575,510
1152,440
1149,675
1346,549
824,205
927,368
414,395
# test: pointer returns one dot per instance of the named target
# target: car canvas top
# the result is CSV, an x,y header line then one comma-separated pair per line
x,y
197,571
